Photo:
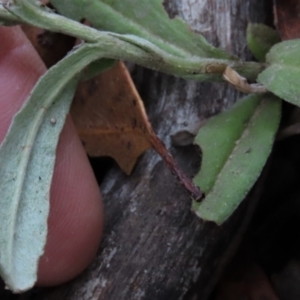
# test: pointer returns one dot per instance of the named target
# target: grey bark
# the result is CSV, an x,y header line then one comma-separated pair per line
x,y
154,247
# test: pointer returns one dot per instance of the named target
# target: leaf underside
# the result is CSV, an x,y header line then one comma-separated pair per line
x,y
27,157
235,147
282,77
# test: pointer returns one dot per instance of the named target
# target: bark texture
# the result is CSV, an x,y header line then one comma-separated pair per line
x,y
154,247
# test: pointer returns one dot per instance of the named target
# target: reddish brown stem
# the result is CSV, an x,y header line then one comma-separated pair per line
x,y
162,150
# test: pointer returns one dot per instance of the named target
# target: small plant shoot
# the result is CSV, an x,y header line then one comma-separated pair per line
x,y
235,144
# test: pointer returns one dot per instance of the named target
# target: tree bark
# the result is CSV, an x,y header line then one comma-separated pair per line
x,y
154,247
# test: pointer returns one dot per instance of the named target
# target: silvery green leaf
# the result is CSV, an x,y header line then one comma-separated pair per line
x,y
27,157
282,77
235,147
96,68
145,19
186,55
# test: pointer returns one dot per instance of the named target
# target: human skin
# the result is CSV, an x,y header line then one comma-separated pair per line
x,y
75,221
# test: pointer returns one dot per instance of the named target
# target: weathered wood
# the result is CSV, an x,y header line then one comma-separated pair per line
x,y
154,247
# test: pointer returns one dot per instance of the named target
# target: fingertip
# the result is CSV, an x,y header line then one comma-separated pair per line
x,y
20,68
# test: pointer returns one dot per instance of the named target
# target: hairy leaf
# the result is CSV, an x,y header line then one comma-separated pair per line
x,y
260,39
282,77
97,67
235,145
142,18
207,63
27,157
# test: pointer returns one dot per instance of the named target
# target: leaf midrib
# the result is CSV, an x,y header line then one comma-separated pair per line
x,y
236,144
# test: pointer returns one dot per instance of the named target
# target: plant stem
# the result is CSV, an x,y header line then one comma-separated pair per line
x,y
168,158
128,47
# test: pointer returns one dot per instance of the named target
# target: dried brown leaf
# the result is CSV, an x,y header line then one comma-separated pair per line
x,y
287,18
110,117
51,46
108,112
244,279
111,121
241,84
